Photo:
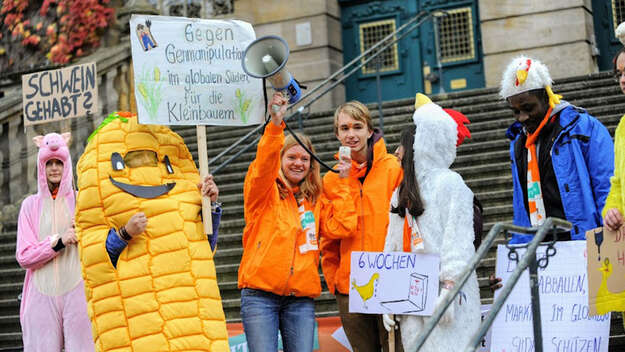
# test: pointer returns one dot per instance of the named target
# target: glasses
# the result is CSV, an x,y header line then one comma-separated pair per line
x,y
618,74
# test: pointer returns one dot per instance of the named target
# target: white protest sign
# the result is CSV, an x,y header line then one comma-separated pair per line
x,y
188,72
340,337
61,94
563,287
393,282
484,345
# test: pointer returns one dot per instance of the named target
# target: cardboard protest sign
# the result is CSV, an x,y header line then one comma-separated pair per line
x,y
188,72
563,287
62,94
393,282
606,270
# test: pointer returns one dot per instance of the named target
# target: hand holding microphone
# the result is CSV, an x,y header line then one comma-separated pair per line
x,y
345,161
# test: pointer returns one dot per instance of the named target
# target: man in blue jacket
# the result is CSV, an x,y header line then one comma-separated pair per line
x,y
562,157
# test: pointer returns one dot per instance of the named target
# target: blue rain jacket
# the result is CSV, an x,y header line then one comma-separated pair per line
x,y
583,162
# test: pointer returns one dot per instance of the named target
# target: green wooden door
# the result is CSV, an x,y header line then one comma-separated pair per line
x,y
418,62
607,14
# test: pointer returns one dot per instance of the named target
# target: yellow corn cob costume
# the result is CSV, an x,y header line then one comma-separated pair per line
x,y
163,295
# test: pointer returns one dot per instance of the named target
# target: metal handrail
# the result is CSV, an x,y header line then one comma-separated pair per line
x,y
382,45
550,224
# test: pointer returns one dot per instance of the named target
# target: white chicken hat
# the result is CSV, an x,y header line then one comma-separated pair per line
x,y
620,33
524,74
438,132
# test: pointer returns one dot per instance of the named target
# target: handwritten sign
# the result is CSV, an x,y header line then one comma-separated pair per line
x,y
606,270
61,94
484,345
188,72
563,286
393,282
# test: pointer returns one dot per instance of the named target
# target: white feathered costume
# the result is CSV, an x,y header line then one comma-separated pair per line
x,y
446,226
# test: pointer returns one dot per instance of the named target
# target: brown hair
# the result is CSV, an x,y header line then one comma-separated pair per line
x,y
622,51
310,186
357,110
409,197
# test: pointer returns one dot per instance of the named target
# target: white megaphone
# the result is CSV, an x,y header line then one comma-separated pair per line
x,y
266,58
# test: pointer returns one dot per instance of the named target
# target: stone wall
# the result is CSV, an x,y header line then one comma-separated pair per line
x,y
312,30
557,32
18,154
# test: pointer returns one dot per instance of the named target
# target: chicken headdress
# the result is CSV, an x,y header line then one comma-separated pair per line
x,y
524,74
438,132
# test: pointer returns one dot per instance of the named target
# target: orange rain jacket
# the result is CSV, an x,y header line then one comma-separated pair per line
x,y
354,215
273,233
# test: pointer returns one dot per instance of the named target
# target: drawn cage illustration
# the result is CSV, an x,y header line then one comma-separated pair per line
x,y
417,296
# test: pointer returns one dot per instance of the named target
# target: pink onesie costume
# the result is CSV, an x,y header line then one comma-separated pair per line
x,y
53,312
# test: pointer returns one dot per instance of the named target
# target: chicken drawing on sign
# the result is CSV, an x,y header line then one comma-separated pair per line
x,y
417,296
367,290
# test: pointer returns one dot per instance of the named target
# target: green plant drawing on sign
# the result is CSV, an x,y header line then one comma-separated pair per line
x,y
242,104
149,88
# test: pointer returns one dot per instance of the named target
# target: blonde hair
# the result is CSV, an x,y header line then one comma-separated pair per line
x,y
310,186
356,110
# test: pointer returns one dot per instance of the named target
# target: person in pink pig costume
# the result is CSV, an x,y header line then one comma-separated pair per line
x,y
53,311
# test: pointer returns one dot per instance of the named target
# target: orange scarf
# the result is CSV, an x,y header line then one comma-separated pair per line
x,y
534,192
407,235
412,235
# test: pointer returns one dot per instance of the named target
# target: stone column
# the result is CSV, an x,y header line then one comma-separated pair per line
x,y
18,166
107,95
121,85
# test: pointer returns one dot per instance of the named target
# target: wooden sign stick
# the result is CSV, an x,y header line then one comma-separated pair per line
x,y
391,337
202,157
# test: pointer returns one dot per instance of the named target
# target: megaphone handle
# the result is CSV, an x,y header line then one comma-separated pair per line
x,y
274,107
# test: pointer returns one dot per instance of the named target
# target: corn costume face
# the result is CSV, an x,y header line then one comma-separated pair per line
x,y
163,294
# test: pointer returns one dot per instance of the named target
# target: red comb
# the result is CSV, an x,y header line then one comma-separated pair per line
x,y
461,120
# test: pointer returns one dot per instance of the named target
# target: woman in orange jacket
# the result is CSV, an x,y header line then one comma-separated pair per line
x,y
355,213
279,275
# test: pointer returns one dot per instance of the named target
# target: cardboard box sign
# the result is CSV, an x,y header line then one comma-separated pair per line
x,y
605,252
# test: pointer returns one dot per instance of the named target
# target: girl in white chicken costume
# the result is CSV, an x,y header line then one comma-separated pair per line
x,y
444,227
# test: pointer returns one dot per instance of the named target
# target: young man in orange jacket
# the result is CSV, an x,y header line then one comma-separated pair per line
x,y
355,212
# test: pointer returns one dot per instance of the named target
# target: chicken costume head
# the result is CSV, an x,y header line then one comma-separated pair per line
x,y
438,132
524,74
163,294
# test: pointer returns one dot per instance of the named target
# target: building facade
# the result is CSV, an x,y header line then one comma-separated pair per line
x,y
464,46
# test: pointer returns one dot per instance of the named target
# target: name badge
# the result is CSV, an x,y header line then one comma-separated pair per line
x,y
307,219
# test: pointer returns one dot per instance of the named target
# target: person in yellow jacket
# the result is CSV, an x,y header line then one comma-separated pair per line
x,y
355,214
148,267
279,271
615,202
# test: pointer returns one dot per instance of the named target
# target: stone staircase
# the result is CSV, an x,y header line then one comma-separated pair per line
x,y
483,161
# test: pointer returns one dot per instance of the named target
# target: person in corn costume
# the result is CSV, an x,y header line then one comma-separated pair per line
x,y
161,293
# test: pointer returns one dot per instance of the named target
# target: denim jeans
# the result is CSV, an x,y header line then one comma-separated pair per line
x,y
264,313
